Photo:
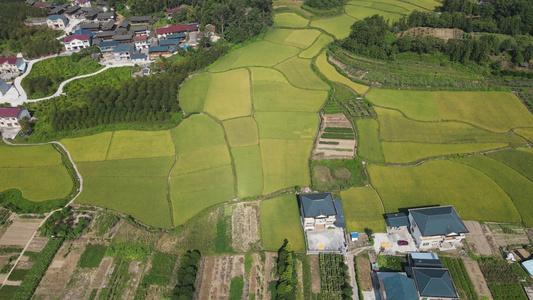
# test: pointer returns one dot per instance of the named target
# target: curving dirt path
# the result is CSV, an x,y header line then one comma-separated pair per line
x,y
80,179
23,97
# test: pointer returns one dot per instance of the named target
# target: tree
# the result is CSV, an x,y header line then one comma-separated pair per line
x,y
25,126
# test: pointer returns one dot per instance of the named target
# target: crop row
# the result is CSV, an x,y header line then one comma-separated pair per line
x,y
338,129
460,277
332,273
340,136
36,273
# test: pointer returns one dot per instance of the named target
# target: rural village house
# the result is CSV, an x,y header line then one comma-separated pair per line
x,y
123,52
318,211
57,22
436,227
77,42
4,87
142,20
162,32
424,279
12,65
82,3
9,120
107,47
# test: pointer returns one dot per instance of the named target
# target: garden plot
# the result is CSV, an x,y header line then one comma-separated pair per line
x,y
335,144
55,279
19,233
256,278
244,226
215,273
477,238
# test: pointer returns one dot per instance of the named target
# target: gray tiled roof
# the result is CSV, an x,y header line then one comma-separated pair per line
x,y
440,220
434,283
314,205
399,287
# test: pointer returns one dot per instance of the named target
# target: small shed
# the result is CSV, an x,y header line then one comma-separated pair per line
x,y
528,266
354,236
397,220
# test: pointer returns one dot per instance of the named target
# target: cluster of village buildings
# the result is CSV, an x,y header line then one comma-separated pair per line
x,y
430,228
128,39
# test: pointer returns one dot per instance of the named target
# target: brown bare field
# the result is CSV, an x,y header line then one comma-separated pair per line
x,y
136,269
244,226
315,273
270,274
334,148
480,285
19,232
363,265
476,239
442,33
37,244
256,279
216,274
55,279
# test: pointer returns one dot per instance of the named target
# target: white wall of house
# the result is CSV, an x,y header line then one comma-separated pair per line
x,y
76,45
8,68
13,122
56,24
141,45
121,55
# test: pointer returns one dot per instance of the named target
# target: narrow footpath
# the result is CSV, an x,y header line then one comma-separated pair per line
x,y
80,179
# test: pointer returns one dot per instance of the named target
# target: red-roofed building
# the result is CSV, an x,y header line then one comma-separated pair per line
x,y
192,27
170,12
40,4
12,65
162,32
77,42
9,120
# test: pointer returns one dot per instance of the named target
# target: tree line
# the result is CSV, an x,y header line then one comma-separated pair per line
x,y
149,99
236,20
374,37
15,36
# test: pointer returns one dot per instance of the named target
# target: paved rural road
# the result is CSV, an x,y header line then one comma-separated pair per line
x,y
80,179
23,97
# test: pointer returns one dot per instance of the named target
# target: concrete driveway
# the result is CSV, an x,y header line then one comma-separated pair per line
x,y
389,241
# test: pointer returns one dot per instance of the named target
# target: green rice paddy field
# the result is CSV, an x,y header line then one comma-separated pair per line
x,y
280,219
37,171
362,209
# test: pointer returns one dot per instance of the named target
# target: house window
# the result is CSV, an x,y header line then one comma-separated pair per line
x,y
425,244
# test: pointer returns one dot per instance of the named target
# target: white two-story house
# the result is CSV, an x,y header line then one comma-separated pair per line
x,y
57,22
318,211
436,227
9,120
76,42
12,65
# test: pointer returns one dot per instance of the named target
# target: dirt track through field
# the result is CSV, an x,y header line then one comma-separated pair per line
x,y
480,285
476,239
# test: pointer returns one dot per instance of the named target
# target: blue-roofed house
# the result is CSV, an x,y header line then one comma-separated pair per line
x,y
107,47
161,50
396,286
169,42
396,220
123,52
436,227
139,58
434,283
84,31
320,211
181,35
57,22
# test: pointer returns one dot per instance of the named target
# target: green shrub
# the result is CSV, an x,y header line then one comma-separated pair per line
x,y
92,256
236,288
